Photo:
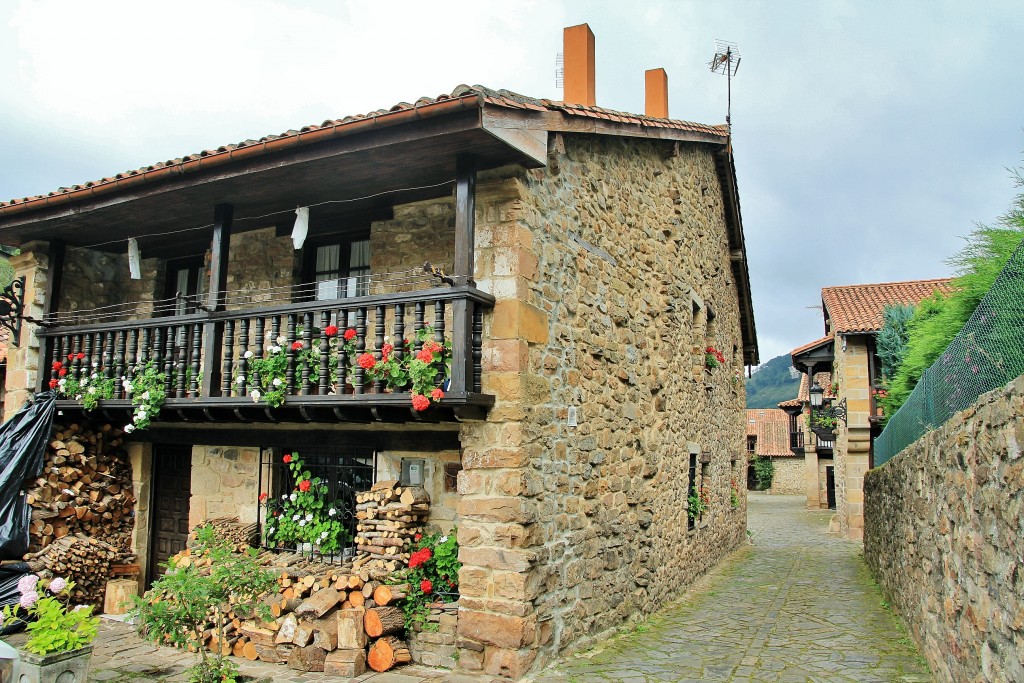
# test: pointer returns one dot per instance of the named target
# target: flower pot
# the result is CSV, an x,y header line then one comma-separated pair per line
x,y
58,667
824,433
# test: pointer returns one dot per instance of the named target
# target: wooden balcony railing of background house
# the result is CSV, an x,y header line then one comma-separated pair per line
x,y
825,444
796,441
207,373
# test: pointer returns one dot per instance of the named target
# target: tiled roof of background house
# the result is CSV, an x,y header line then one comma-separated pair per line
x,y
771,426
810,345
859,308
824,380
395,114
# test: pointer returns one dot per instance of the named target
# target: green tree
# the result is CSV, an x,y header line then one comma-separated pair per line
x,y
182,603
891,343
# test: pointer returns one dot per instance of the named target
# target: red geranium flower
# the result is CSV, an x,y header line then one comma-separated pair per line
x,y
350,334
420,402
71,356
386,351
264,496
297,346
287,458
437,394
80,356
367,361
57,365
425,355
62,372
419,557
417,537
426,586
304,485
53,384
331,330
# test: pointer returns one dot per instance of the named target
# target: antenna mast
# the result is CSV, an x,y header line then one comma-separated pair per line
x,y
726,61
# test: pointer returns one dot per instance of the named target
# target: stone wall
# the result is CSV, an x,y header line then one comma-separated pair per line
x,y
605,265
259,261
418,232
944,536
443,502
789,476
853,441
22,375
224,481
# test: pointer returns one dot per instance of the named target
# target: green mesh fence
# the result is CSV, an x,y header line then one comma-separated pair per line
x,y
987,354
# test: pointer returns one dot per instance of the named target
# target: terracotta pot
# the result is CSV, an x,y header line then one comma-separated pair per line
x,y
58,667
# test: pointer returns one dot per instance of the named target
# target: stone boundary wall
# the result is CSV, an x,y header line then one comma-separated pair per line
x,y
944,536
789,476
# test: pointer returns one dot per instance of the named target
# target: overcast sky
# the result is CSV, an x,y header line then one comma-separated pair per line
x,y
869,136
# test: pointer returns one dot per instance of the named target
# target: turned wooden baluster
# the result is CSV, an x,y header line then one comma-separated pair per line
x,y
399,352
260,342
107,361
131,358
307,345
378,386
119,362
478,347
289,373
150,341
325,353
74,364
343,359
243,362
439,322
182,352
197,342
168,359
360,374
227,353
417,326
86,363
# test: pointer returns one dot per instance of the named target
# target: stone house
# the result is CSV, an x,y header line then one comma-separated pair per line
x,y
844,365
583,260
768,437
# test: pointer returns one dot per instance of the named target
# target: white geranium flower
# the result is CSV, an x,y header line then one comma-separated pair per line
x,y
292,498
95,364
281,339
78,398
95,375
444,539
309,517
240,380
61,382
284,497
332,512
255,393
323,535
295,518
248,354
92,390
270,529
302,522
129,429
277,382
85,381
145,396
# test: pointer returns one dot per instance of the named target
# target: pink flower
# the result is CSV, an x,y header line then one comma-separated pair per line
x,y
297,346
27,583
367,361
437,394
57,585
350,334
331,330
29,599
420,402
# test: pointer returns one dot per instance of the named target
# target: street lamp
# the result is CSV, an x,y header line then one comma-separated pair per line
x,y
817,395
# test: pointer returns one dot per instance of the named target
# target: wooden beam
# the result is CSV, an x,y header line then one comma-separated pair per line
x,y
219,249
465,248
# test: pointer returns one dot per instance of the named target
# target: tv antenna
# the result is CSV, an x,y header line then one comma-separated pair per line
x,y
726,61
559,70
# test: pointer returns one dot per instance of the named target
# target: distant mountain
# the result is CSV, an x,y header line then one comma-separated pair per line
x,y
774,381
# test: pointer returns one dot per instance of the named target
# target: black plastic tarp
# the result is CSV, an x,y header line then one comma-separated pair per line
x,y
23,441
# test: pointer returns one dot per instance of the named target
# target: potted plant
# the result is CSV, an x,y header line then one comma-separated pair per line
x,y
823,424
58,647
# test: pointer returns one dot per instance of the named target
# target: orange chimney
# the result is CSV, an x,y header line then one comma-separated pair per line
x,y
656,90
578,61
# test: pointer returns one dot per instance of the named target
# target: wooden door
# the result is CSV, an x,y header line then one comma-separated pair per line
x,y
830,487
172,488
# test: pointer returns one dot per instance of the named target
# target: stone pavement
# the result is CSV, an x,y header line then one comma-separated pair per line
x,y
798,605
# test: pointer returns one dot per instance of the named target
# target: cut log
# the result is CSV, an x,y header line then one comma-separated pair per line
x,y
346,663
319,602
382,621
303,633
268,654
386,595
307,659
351,631
118,598
325,633
260,636
414,495
356,598
249,651
386,653
287,631
280,606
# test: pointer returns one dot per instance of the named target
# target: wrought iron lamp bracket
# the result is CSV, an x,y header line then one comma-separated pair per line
x,y
12,307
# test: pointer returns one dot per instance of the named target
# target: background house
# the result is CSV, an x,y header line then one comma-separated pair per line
x,y
845,366
589,257
768,436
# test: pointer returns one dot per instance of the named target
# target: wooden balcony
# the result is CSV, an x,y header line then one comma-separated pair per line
x,y
207,359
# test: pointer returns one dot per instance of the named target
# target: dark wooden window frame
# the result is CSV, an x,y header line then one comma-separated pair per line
x,y
344,239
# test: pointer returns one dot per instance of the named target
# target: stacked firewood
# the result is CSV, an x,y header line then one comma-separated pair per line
x,y
389,517
85,560
240,536
86,486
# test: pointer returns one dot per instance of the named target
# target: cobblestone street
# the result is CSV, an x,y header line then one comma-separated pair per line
x,y
798,605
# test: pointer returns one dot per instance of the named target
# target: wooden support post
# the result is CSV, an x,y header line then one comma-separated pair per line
x,y
219,247
465,247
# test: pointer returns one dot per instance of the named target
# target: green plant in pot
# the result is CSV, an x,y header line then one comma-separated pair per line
x,y
59,643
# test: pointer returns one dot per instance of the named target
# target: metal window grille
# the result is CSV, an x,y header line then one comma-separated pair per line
x,y
345,470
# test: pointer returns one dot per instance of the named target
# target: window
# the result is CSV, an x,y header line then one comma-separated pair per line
x,y
186,283
691,490
337,268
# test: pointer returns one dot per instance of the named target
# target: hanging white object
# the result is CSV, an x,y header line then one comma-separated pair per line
x,y
301,226
134,259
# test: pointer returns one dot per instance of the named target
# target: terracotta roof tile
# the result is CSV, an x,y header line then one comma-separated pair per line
x,y
501,98
811,345
771,426
824,380
860,308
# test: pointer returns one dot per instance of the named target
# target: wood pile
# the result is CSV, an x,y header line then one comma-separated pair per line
x,y
389,517
85,487
85,560
240,536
